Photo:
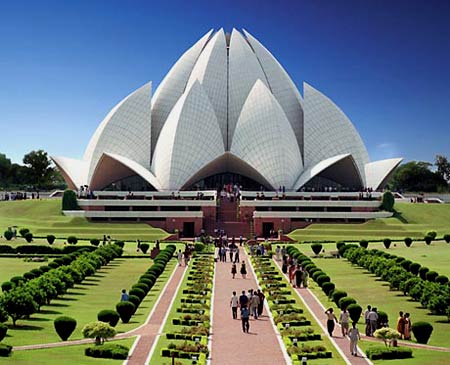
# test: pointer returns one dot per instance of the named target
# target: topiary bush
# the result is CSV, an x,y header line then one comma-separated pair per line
x,y
199,246
328,287
388,353
447,238
126,310
121,244
144,247
431,276
428,239
64,327
7,286
140,285
432,234
23,231
337,295
108,316
108,351
387,242
321,279
408,241
339,245
364,243
414,268
388,201
95,242
29,237
51,239
441,279
8,235
72,240
345,302
138,292
354,311
69,200
3,331
5,350
422,331
423,272
135,300
316,248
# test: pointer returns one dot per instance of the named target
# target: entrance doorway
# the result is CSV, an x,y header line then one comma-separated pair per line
x,y
266,228
188,229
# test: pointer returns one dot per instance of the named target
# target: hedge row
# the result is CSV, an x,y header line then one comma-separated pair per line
x,y
388,353
24,298
140,289
43,250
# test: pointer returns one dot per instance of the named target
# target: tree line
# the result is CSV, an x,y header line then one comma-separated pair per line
x,y
36,172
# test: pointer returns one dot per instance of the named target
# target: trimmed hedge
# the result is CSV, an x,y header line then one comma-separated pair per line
x,y
388,353
64,327
422,331
108,351
108,316
5,350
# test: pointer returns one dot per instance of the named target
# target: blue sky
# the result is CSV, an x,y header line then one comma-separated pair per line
x,y
65,64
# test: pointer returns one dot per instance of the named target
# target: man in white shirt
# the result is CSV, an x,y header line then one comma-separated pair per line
x,y
234,302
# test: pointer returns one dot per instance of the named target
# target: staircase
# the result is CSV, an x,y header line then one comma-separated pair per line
x,y
228,219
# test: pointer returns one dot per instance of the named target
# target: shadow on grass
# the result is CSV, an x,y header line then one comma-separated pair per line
x,y
38,319
45,311
20,327
76,293
68,299
444,321
398,215
98,276
57,305
89,284
90,279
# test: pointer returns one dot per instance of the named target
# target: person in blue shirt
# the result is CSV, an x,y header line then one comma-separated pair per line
x,y
245,314
124,297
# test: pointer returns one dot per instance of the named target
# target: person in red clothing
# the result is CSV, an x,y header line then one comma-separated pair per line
x,y
401,325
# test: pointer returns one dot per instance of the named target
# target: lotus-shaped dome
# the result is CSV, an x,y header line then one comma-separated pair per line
x,y
226,106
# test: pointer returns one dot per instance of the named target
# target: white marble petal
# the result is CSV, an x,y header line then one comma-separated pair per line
x,y
377,172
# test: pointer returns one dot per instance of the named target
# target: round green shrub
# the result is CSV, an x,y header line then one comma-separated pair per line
x,y
8,235
382,318
199,247
431,276
95,242
3,331
423,272
72,240
108,316
149,276
144,247
126,310
29,237
135,300
17,280
447,238
69,200
364,243
406,264
346,301
328,287
108,351
23,231
316,248
148,282
64,327
414,268
354,311
387,242
7,286
51,239
339,245
121,244
138,292
428,239
422,331
441,279
432,234
29,276
321,279
388,201
316,274
144,287
337,295
408,241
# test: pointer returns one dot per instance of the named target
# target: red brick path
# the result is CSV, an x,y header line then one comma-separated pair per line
x,y
229,344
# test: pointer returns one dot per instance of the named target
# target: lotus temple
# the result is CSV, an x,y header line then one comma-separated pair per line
x,y
227,113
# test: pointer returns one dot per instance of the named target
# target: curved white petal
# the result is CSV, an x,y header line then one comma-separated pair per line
x,y
243,71
378,172
173,85
112,167
189,140
74,171
124,131
265,140
340,168
282,87
211,71
328,132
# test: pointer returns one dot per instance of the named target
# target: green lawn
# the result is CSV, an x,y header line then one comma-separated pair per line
x,y
420,357
367,289
413,220
10,267
68,355
44,217
84,301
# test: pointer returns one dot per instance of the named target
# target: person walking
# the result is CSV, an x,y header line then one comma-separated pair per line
x,y
366,320
243,270
407,332
254,304
373,321
261,302
233,270
298,277
231,251
331,319
305,279
180,257
354,337
236,255
243,299
401,325
343,320
245,314
234,303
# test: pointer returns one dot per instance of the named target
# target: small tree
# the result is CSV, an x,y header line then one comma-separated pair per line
x,y
387,335
51,239
388,201
422,331
408,241
29,237
100,331
387,242
317,248
18,303
69,201
144,247
126,310
64,327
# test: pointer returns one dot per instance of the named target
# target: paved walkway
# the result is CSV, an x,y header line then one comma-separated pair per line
x,y
342,344
229,344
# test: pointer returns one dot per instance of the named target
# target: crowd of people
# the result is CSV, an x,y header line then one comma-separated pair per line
x,y
251,304
18,195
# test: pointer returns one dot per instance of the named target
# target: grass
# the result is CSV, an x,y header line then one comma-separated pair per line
x,y
84,301
13,267
367,289
420,356
67,355
44,217
413,220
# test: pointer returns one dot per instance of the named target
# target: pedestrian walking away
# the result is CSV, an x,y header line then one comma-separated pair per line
x,y
243,300
261,302
245,319
401,325
236,255
343,320
243,270
180,257
233,270
331,319
366,320
254,304
354,337
234,303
